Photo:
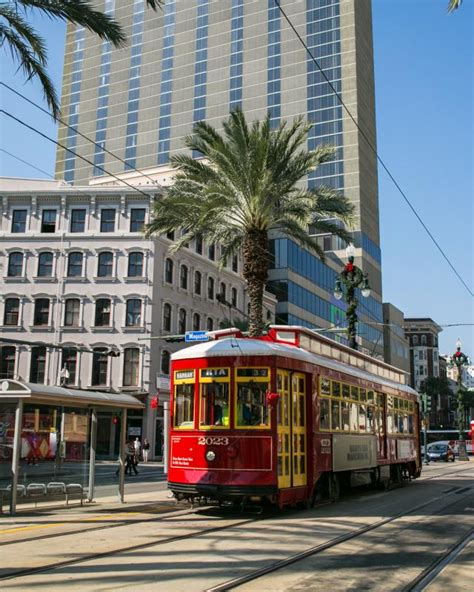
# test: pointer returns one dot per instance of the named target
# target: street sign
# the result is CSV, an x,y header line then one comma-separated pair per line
x,y
191,336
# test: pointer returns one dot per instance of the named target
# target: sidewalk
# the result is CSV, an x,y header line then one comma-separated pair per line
x,y
58,514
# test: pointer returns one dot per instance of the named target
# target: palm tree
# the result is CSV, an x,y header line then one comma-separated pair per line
x,y
28,47
248,184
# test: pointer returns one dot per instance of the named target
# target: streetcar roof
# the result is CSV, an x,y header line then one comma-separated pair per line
x,y
234,346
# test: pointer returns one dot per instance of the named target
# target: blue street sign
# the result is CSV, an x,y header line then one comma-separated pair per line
x,y
196,336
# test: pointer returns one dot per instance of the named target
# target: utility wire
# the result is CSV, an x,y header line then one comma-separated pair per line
x,y
75,130
27,163
372,147
134,187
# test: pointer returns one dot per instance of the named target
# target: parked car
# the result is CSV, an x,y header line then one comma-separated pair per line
x,y
440,451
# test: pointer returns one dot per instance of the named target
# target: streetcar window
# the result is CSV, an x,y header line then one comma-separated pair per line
x,y
251,404
363,394
335,415
410,424
346,391
355,393
214,404
335,388
370,419
370,397
324,419
354,417
325,386
362,418
345,416
184,405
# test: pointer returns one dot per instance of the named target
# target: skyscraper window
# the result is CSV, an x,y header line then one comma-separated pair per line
x,y
164,132
236,54
273,64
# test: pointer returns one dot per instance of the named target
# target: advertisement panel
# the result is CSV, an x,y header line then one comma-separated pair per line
x,y
354,452
405,449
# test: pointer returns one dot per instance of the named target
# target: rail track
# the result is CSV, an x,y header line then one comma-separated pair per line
x,y
229,585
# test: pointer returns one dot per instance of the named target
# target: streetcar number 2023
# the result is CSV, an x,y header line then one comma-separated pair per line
x,y
213,441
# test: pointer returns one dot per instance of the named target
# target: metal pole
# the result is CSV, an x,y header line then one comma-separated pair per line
x,y
92,451
425,439
123,431
462,452
16,455
166,433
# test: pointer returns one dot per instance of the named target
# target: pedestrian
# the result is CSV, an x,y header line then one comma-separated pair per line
x,y
131,460
137,445
145,450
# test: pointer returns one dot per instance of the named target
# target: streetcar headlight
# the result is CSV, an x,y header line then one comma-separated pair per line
x,y
210,455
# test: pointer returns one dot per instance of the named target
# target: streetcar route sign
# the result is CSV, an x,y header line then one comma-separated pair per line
x,y
193,336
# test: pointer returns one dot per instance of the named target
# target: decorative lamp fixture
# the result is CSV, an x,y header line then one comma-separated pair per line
x,y
338,290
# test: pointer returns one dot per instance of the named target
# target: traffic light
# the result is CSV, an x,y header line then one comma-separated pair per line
x,y
428,403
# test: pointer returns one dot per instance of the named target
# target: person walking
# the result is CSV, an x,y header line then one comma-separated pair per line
x,y
130,461
137,446
145,450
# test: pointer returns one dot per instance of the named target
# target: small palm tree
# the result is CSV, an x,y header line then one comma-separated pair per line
x,y
247,184
28,47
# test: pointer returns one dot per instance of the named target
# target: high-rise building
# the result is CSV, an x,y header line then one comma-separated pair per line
x,y
199,59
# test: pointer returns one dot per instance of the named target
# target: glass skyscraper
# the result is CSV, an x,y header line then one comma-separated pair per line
x,y
199,59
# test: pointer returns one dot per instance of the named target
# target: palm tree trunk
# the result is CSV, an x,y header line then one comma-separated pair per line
x,y
256,259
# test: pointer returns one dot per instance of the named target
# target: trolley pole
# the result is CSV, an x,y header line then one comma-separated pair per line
x,y
425,440
166,435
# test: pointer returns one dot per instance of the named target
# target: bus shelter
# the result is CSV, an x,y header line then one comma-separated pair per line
x,y
48,439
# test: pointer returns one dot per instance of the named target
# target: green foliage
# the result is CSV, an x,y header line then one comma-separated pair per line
x,y
454,5
248,183
28,48
437,385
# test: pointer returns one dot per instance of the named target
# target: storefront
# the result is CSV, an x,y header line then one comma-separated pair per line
x,y
50,437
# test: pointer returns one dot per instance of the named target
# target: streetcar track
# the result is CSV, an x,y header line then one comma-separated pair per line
x,y
431,572
103,554
317,549
168,515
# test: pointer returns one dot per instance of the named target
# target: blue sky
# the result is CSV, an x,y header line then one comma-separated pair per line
x,y
424,96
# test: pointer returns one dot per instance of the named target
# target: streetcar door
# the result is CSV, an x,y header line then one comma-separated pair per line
x,y
284,429
298,426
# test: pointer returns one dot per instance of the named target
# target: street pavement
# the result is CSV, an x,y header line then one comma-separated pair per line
x,y
151,543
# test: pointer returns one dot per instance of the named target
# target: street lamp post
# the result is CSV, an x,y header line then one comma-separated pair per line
x,y
351,277
459,360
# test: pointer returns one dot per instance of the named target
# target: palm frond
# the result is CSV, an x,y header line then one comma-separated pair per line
x,y
82,13
454,5
31,65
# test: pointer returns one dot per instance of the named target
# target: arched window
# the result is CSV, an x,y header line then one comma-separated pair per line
x,y
181,321
196,321
415,339
197,282
233,296
41,315
71,312
210,288
131,366
199,244
105,264
15,264
38,364
135,265
74,264
45,265
210,324
102,312
69,360
165,362
169,271
211,252
423,340
100,362
235,263
183,277
12,312
7,361
170,235
223,291
166,317
134,312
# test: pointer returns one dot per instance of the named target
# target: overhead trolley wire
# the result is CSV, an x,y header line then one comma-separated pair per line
x,y
372,147
134,187
76,131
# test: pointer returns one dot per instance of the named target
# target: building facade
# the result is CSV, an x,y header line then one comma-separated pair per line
x,y
76,272
197,60
422,335
396,351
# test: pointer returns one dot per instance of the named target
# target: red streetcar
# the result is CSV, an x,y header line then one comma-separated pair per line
x,y
286,418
